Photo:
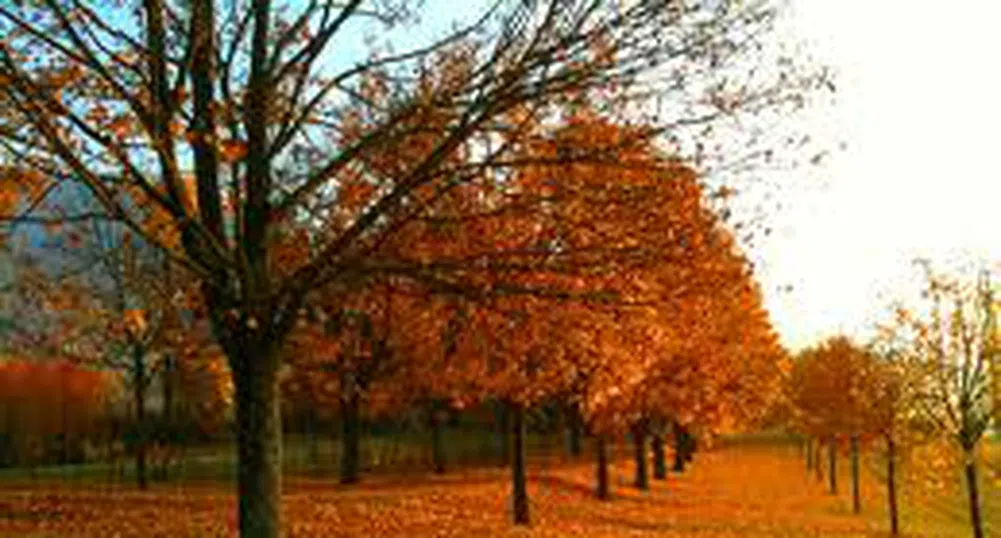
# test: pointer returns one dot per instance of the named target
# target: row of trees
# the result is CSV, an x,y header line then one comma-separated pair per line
x,y
929,376
364,203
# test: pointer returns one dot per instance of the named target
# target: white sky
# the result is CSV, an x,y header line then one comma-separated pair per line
x,y
919,108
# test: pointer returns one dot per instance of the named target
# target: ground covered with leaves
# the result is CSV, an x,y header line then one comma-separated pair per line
x,y
742,491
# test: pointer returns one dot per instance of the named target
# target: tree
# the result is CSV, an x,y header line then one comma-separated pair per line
x,y
280,133
954,349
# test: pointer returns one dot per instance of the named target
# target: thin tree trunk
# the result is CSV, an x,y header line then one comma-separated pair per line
x,y
258,419
601,447
659,458
973,492
832,471
639,447
169,433
518,473
139,395
679,448
818,448
809,454
350,436
689,446
856,497
891,484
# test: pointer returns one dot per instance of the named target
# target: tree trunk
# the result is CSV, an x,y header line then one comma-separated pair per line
x,y
832,471
689,446
168,434
891,485
679,448
518,474
818,448
856,497
259,435
601,447
573,431
639,447
139,395
350,435
809,454
436,417
659,459
973,492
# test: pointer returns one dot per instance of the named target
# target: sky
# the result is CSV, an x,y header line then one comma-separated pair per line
x,y
918,107
917,111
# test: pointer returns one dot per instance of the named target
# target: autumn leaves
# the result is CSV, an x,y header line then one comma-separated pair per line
x,y
621,298
928,379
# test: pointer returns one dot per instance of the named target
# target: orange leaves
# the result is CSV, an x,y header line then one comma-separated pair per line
x,y
232,151
732,492
134,320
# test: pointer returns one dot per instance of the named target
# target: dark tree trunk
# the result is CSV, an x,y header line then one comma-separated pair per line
x,y
574,428
818,449
659,458
259,435
809,453
437,417
973,493
856,497
891,485
519,480
350,435
601,447
639,447
679,448
168,433
139,395
689,446
832,471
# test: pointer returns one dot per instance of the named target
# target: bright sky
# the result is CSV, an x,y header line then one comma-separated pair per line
x,y
919,108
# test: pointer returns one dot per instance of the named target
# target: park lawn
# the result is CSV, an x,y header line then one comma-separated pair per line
x,y
739,491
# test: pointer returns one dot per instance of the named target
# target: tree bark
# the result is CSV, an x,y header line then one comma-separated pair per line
x,y
832,460
139,396
642,481
258,419
973,494
601,447
350,435
659,458
856,496
891,485
518,472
